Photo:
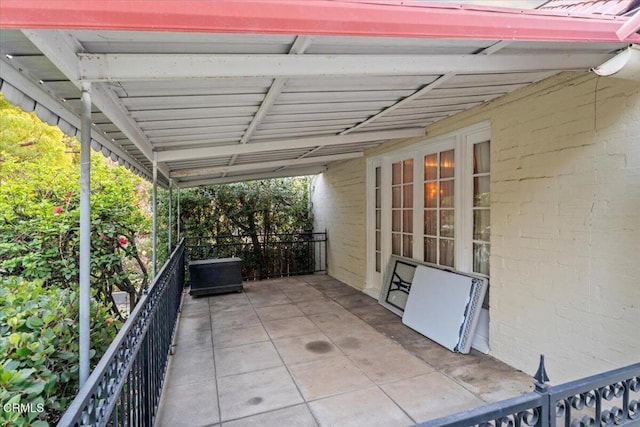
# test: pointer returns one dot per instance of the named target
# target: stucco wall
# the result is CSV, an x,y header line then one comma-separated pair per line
x,y
565,265
339,199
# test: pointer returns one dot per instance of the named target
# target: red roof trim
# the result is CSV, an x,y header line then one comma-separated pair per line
x,y
315,17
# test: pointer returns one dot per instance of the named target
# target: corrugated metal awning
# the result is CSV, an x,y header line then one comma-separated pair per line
x,y
215,106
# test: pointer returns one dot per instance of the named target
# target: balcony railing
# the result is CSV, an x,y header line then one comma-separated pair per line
x,y
608,399
124,388
265,256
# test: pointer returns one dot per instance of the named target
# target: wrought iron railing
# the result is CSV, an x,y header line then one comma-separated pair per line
x,y
124,388
265,256
608,399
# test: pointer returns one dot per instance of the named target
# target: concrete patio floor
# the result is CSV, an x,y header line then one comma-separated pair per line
x,y
309,351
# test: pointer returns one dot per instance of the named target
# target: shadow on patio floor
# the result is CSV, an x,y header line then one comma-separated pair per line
x,y
310,350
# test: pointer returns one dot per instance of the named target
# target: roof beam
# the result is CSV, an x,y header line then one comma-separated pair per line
x,y
252,177
284,144
322,160
135,67
297,48
427,88
62,51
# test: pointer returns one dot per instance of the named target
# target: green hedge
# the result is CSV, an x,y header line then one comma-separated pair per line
x,y
39,349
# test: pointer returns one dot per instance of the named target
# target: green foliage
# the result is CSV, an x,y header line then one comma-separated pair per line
x,y
252,209
39,349
39,210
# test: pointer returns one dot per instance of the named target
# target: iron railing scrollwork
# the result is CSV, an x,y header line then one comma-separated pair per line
x,y
608,399
265,256
125,386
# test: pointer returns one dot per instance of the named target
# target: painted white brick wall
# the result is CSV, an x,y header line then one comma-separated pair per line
x,y
339,200
565,265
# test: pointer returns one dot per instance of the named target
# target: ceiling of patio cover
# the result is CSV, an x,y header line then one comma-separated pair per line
x,y
268,99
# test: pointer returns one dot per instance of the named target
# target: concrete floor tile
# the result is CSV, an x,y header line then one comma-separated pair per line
x,y
337,322
328,377
398,332
319,306
368,407
308,294
192,405
431,396
375,315
291,327
194,339
384,365
255,392
336,289
294,416
246,358
491,379
231,337
237,317
228,300
189,324
356,300
306,348
264,299
187,366
276,312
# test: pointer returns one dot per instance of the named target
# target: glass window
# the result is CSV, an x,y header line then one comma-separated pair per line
x,y
481,207
439,212
402,208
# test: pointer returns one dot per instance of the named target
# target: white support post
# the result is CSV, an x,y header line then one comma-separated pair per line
x,y
170,221
85,234
178,218
154,231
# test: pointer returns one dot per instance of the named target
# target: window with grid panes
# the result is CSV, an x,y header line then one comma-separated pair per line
x,y
481,208
402,208
439,208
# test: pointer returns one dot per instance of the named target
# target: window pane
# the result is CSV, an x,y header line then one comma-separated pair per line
x,y
378,241
446,252
407,220
446,223
378,219
407,201
395,243
446,194
431,195
407,173
378,176
447,162
431,167
481,253
481,191
431,222
396,197
407,245
430,250
378,262
481,157
396,173
482,224
396,220
378,198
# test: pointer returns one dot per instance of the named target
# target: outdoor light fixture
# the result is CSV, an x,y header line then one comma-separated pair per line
x,y
625,65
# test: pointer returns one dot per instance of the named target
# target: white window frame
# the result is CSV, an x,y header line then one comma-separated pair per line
x,y
462,142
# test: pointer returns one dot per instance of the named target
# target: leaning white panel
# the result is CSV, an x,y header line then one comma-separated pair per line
x,y
445,306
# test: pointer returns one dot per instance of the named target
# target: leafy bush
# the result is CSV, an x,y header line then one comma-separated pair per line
x,y
39,349
39,210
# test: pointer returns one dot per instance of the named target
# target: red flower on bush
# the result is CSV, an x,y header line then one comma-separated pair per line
x,y
123,241
57,210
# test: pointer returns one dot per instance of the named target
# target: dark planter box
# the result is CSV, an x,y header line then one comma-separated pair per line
x,y
215,276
